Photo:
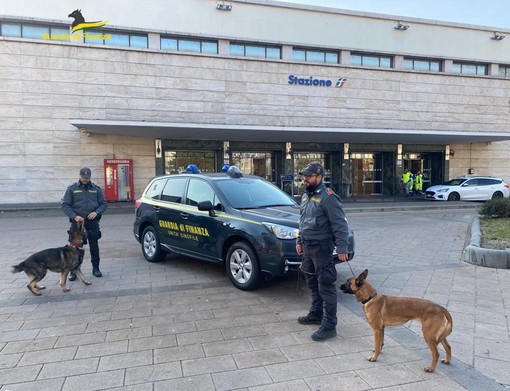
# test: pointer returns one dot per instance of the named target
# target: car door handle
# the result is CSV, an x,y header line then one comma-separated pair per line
x,y
156,208
184,215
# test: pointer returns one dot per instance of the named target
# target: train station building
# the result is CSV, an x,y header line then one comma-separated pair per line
x,y
146,88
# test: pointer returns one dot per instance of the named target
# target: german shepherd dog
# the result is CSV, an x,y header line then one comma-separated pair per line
x,y
60,260
382,310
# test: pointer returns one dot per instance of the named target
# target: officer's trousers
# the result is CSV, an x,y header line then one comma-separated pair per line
x,y
320,273
93,236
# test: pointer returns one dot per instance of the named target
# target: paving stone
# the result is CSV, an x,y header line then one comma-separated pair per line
x,y
195,383
39,385
201,366
125,360
153,373
227,347
178,353
69,368
345,381
19,374
259,358
294,370
388,375
199,337
29,346
50,355
231,380
102,349
94,381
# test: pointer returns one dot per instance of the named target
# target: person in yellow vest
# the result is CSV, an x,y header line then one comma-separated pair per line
x,y
418,183
408,182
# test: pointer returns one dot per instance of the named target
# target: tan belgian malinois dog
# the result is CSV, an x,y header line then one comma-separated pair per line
x,y
382,310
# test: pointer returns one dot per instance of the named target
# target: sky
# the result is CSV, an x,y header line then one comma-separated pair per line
x,y
491,13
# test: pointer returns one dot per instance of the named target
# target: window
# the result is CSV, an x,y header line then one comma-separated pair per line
x,y
258,51
421,64
102,37
370,60
154,191
504,71
308,55
10,30
34,31
174,189
189,45
465,68
198,191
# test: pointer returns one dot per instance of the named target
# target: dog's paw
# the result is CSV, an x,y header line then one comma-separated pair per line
x,y
41,287
445,361
87,282
429,369
372,358
66,289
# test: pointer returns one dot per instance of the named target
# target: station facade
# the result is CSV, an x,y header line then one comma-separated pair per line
x,y
266,85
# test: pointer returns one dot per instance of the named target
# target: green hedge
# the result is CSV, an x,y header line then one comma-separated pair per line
x,y
499,207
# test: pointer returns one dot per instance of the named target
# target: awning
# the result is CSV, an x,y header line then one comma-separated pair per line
x,y
187,131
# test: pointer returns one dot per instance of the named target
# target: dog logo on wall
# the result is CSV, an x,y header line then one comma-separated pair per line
x,y
80,23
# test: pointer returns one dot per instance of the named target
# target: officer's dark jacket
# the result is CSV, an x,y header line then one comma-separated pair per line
x,y
322,217
81,200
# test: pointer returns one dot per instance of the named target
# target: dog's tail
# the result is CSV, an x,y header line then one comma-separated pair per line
x,y
447,325
17,268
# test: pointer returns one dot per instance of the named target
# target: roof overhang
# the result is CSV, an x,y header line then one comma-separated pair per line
x,y
187,131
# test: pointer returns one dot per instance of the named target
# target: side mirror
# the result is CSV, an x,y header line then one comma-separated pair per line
x,y
208,206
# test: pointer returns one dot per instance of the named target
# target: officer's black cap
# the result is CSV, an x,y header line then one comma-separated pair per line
x,y
312,169
85,173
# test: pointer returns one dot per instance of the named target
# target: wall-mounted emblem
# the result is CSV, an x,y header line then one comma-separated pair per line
x,y
80,23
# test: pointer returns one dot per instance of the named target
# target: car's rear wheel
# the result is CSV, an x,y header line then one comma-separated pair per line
x,y
497,195
151,246
454,196
243,267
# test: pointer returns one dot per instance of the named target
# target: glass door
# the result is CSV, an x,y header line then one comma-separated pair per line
x,y
366,169
255,163
301,160
177,161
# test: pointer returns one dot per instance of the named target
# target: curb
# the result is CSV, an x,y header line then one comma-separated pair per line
x,y
486,257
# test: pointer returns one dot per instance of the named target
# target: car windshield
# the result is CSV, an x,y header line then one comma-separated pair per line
x,y
455,182
252,193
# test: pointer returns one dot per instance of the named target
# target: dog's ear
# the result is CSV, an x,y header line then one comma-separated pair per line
x,y
361,278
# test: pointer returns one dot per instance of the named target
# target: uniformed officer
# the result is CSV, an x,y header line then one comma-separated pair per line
x,y
84,201
322,225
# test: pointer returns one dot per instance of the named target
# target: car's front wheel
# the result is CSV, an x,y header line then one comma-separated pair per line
x,y
497,195
151,246
243,267
454,196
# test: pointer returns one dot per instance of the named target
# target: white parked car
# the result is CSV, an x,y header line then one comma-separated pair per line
x,y
469,188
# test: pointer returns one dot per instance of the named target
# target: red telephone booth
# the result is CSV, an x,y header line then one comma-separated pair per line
x,y
118,180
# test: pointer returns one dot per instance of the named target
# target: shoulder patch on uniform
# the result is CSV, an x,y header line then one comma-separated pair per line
x,y
329,191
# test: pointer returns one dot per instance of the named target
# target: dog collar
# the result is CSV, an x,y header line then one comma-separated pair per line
x,y
367,300
76,245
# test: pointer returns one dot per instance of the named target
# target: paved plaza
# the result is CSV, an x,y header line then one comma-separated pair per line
x,y
181,325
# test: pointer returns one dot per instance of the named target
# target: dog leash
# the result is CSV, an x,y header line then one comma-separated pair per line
x,y
350,267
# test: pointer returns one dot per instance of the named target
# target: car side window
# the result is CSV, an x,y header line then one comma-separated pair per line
x,y
154,191
174,190
488,182
198,191
471,183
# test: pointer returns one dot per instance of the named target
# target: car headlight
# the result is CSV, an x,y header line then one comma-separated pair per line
x,y
282,231
442,190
